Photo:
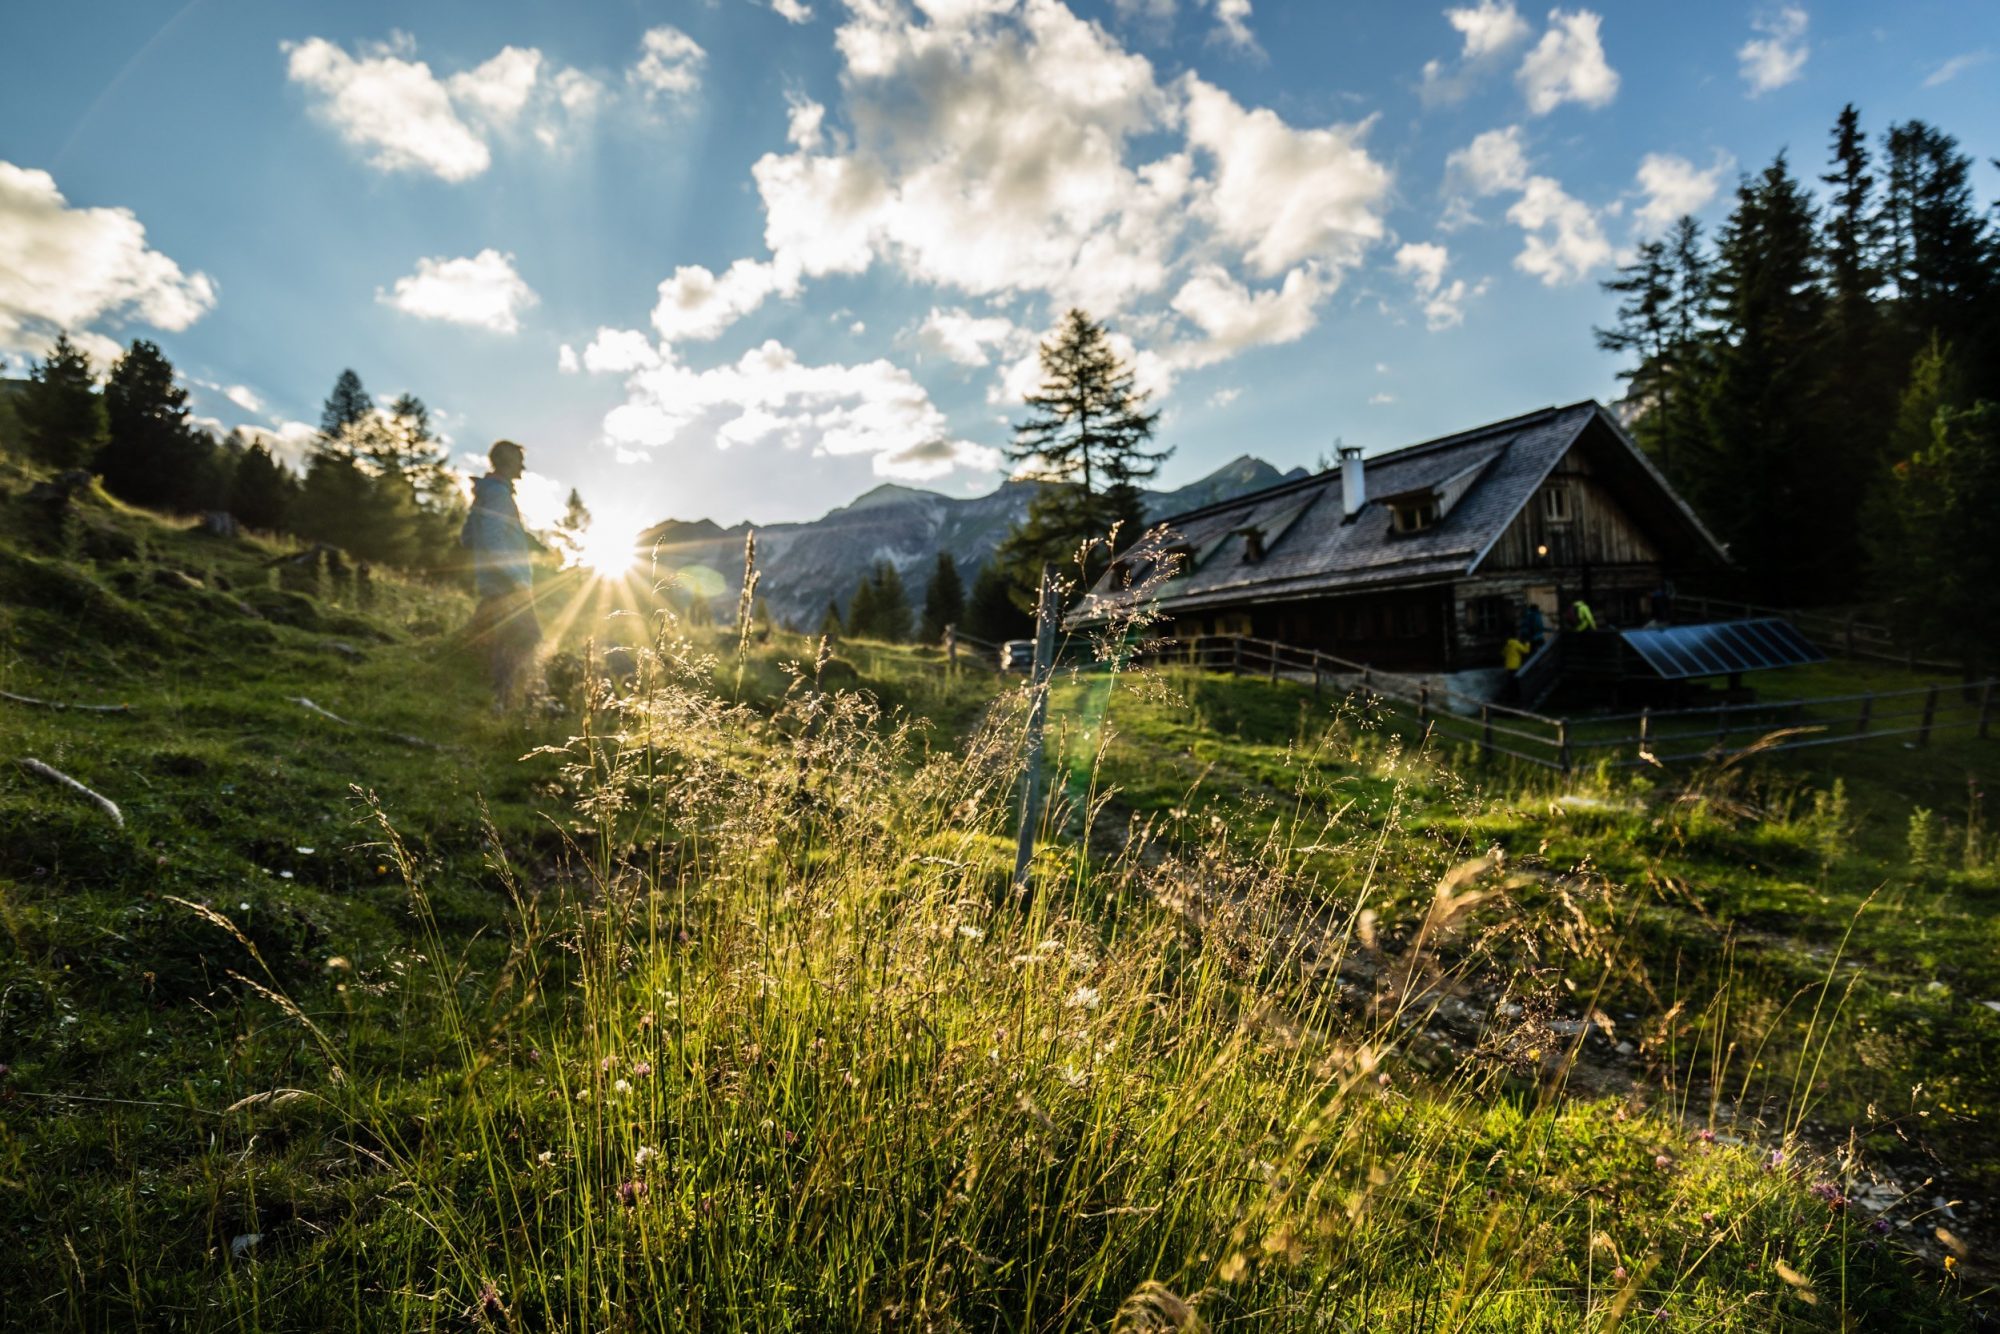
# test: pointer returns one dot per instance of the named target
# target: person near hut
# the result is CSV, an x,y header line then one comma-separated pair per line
x,y
1586,619
1533,628
503,627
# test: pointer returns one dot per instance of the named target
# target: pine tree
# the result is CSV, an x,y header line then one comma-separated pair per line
x,y
859,619
1942,259
1946,495
570,528
891,604
346,407
944,600
990,611
61,415
1763,477
830,627
151,455
1086,440
262,490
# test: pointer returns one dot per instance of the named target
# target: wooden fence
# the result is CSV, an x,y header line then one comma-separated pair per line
x,y
1647,737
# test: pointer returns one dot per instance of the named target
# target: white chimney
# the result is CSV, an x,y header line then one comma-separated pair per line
x,y
1353,480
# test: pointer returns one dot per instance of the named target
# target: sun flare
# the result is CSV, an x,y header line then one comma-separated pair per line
x,y
609,552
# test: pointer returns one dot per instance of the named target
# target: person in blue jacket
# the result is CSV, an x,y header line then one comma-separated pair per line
x,y
504,625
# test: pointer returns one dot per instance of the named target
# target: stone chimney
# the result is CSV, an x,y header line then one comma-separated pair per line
x,y
1353,480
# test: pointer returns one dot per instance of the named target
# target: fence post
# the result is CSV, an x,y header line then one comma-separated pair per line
x,y
1867,710
951,648
1486,731
1038,712
1316,679
1236,655
1930,712
1645,731
1423,703
1271,648
1562,744
1985,705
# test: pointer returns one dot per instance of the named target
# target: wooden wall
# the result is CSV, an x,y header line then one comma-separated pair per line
x,y
1598,531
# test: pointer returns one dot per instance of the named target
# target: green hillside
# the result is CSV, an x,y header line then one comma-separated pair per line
x,y
700,1000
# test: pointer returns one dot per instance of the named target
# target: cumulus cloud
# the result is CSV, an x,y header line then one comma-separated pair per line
x,y
619,352
1565,241
1234,318
1224,396
69,268
696,305
769,396
1673,187
1489,30
967,339
1778,56
481,290
1491,163
1232,24
243,397
1424,263
792,11
403,117
1567,65
670,63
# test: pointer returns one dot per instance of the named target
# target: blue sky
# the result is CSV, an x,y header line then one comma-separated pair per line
x,y
746,258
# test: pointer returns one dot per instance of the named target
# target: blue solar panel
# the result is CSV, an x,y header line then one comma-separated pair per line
x,y
1720,648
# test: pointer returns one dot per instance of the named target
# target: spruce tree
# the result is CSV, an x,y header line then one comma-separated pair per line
x,y
61,415
891,604
860,617
151,455
1942,258
261,491
1763,477
346,407
1946,495
830,627
1087,441
944,600
990,610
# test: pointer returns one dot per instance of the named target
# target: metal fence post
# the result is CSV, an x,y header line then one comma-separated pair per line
x,y
1038,712
1930,712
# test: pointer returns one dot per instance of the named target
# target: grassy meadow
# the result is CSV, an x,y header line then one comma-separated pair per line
x,y
699,997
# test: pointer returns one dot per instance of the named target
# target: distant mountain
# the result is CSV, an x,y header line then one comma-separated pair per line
x,y
805,564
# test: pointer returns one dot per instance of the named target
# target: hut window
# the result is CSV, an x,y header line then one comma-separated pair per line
x,y
1413,516
1555,504
1485,616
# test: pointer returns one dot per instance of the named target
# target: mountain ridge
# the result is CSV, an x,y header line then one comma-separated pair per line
x,y
806,563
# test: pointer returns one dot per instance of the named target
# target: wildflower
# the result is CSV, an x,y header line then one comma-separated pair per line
x,y
1083,998
1661,1161
1619,1275
620,1086
1705,1135
1383,1079
640,1069
1880,1227
629,1192
971,932
534,1056
645,1021
488,1308
546,1158
1828,1191
1707,1217
643,1155
607,1064
1775,1161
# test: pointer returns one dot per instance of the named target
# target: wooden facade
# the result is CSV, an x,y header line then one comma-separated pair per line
x,y
1433,573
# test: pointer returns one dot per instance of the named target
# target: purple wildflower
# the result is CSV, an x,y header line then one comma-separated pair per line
x,y
629,1192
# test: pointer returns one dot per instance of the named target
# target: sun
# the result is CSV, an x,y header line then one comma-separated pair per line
x,y
609,552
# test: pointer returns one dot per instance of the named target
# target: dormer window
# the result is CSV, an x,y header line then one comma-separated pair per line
x,y
1414,515
1555,504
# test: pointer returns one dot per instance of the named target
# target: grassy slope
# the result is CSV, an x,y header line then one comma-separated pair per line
x,y
866,1096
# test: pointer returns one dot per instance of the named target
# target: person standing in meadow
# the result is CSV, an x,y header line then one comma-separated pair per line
x,y
504,624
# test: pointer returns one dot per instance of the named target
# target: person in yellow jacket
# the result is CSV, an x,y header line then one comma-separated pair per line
x,y
1514,653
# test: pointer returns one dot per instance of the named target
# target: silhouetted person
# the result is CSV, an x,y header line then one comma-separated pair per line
x,y
504,624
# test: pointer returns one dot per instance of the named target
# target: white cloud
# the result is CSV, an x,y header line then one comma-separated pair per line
x,y
1567,65
1956,66
1286,195
403,117
290,444
696,305
69,268
769,396
1779,56
1232,23
967,339
804,127
1491,163
1674,186
1424,264
1381,400
1489,30
792,11
1234,318
567,361
1223,397
243,397
395,110
500,88
482,290
670,63
619,352
1565,241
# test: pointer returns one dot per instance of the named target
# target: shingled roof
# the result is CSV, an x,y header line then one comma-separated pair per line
x,y
1311,549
